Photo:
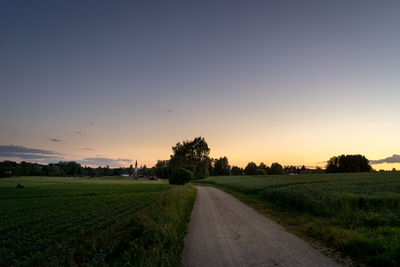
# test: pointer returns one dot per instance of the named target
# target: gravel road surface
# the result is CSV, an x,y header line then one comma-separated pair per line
x,y
224,231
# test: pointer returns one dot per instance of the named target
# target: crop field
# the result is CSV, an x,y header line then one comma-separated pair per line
x,y
356,213
75,221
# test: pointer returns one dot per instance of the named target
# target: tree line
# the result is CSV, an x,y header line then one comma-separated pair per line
x,y
190,160
65,169
191,156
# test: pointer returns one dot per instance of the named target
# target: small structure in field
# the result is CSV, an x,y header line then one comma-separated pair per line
x,y
20,185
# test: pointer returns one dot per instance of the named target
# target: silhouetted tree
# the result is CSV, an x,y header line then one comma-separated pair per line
x,y
348,163
276,169
130,170
291,170
262,166
251,169
162,169
236,170
221,166
181,176
193,156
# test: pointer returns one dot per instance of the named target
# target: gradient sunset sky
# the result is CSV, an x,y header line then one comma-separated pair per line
x,y
293,82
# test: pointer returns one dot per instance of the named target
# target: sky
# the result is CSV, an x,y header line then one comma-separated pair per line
x,y
294,82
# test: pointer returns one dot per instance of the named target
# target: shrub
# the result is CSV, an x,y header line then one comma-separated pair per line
x,y
181,176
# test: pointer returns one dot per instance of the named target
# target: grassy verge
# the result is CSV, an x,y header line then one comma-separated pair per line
x,y
160,228
355,215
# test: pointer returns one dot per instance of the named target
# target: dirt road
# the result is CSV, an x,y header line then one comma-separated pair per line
x,y
223,231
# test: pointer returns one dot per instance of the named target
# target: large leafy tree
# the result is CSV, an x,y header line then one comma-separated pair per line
x,y
162,169
193,156
236,170
251,168
276,169
221,166
348,163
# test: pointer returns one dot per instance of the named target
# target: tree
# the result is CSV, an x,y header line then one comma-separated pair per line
x,y
318,170
193,156
53,170
162,169
130,170
276,169
251,169
221,166
348,163
292,170
181,176
145,171
261,171
262,166
107,171
236,170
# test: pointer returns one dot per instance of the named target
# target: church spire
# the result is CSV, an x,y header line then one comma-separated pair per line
x,y
136,170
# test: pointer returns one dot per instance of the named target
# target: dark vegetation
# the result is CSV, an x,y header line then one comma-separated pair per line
x,y
64,169
70,221
181,176
348,163
192,156
356,213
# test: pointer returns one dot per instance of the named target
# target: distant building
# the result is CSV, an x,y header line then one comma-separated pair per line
x,y
136,170
125,174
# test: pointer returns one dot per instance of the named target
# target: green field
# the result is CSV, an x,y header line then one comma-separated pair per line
x,y
92,221
358,214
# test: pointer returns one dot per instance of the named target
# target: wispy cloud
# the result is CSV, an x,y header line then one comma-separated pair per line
x,y
77,132
393,159
55,140
87,148
12,152
99,161
168,110
25,153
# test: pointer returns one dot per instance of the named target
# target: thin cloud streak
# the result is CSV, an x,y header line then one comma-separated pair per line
x,y
55,140
25,153
169,110
12,152
395,158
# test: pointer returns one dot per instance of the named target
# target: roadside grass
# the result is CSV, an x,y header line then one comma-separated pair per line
x,y
69,222
163,225
356,214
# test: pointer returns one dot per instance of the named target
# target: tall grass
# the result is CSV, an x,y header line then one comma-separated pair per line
x,y
163,226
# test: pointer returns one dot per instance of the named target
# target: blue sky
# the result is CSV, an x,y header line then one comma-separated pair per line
x,y
288,81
